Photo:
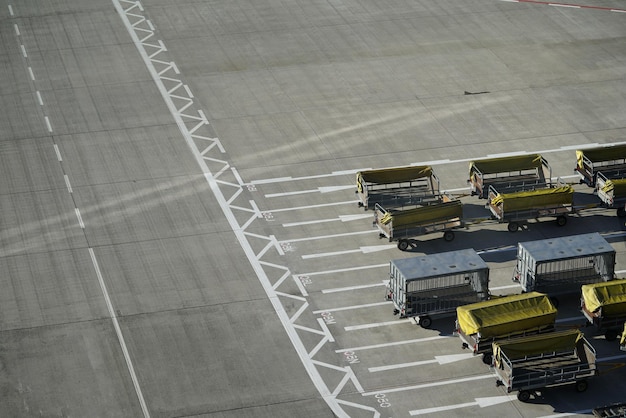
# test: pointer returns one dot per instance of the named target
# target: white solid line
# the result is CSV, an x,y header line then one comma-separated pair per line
x,y
237,176
391,344
80,219
30,72
618,10
17,29
300,285
430,385
326,330
67,183
24,51
564,5
58,153
400,366
291,193
39,98
347,234
345,289
442,408
351,202
118,332
319,273
320,255
47,119
349,308
377,324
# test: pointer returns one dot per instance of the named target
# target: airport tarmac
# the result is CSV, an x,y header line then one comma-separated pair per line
x,y
179,230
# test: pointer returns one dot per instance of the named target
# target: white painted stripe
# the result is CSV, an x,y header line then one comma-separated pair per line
x,y
349,308
618,10
301,286
58,153
400,366
47,119
350,202
441,408
39,98
237,176
24,51
17,29
371,266
310,256
512,286
572,6
347,234
67,183
434,162
346,289
377,324
430,385
10,10
118,332
31,73
392,344
326,330
80,219
291,193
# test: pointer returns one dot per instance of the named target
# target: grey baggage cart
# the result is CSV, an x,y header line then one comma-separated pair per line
x,y
509,174
562,265
402,225
612,193
527,364
397,187
610,160
616,410
604,306
435,284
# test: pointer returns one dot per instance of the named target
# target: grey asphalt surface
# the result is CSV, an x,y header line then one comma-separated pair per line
x,y
179,233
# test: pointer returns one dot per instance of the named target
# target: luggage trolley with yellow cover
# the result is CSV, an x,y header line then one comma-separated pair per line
x,y
604,306
534,362
610,160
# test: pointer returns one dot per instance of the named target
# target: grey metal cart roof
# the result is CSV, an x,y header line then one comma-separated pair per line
x,y
441,264
562,248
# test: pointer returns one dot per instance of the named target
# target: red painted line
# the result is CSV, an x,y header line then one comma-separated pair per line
x,y
580,6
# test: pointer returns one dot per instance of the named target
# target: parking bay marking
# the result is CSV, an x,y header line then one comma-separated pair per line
x,y
394,343
482,402
447,359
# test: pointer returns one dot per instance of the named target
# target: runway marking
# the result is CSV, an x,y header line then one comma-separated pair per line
x,y
10,10
48,124
31,73
17,29
347,234
481,402
571,5
342,218
346,289
67,183
343,270
24,51
377,324
432,384
441,360
39,98
364,250
318,190
394,343
353,307
80,219
322,205
57,152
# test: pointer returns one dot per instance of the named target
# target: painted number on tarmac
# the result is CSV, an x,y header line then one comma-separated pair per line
x,y
351,357
305,280
287,247
328,318
382,399
268,216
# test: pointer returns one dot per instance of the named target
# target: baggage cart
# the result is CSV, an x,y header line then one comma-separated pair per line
x,y
610,160
530,363
509,174
622,340
425,286
562,265
478,325
402,225
617,410
604,306
612,193
518,208
397,187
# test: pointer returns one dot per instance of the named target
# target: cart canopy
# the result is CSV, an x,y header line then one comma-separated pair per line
x,y
617,186
392,175
534,199
506,164
534,345
610,296
507,315
424,215
596,155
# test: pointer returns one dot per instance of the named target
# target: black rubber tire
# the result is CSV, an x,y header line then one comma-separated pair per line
x,y
448,236
610,335
512,226
581,386
561,220
523,395
403,244
425,321
487,359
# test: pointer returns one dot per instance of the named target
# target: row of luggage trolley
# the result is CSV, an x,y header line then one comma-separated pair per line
x,y
408,201
516,334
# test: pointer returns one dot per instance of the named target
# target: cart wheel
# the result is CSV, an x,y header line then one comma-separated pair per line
x,y
487,359
610,335
621,212
448,235
523,395
513,226
561,220
403,244
581,386
425,321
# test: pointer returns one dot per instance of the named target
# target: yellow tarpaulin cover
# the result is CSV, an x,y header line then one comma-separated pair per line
x,y
506,315
617,186
610,296
425,215
596,155
553,196
506,164
392,175
622,340
560,341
